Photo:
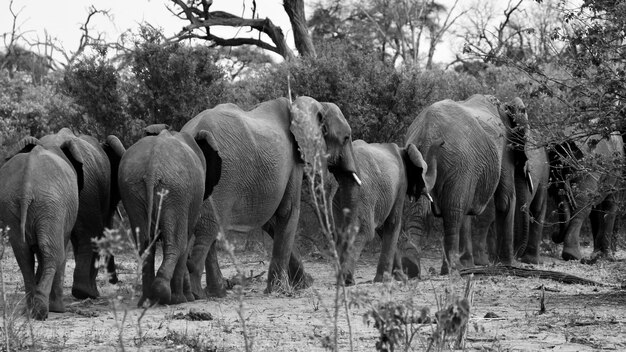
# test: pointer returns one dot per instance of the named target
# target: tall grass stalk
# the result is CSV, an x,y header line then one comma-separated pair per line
x,y
111,242
314,154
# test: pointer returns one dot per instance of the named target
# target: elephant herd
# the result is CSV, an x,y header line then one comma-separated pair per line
x,y
230,170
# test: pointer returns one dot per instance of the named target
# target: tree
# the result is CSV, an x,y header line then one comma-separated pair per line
x,y
200,17
396,29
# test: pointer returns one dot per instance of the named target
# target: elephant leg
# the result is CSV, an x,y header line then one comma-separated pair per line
x,y
452,220
297,276
571,243
84,282
287,216
465,243
174,234
215,283
505,213
46,271
111,271
178,281
606,214
538,209
56,293
147,272
26,262
389,235
187,286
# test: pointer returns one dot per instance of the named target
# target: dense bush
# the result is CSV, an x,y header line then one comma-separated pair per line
x,y
174,81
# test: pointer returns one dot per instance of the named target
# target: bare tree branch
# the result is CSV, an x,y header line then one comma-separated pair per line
x,y
202,19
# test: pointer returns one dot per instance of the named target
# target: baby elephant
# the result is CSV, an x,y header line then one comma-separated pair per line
x,y
185,168
388,173
39,189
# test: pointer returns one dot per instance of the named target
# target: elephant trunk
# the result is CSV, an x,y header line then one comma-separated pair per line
x,y
345,209
564,219
522,217
345,163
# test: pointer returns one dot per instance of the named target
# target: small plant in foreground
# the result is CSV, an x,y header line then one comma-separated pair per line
x,y
16,328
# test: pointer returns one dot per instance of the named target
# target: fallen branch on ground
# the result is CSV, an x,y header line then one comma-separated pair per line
x,y
522,272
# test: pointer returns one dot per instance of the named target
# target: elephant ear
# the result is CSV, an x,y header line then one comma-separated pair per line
x,y
207,144
420,181
114,150
306,121
154,130
73,154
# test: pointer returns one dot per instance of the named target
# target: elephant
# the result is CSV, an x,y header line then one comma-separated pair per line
x,y
98,201
529,217
581,191
483,156
183,169
264,151
388,174
39,187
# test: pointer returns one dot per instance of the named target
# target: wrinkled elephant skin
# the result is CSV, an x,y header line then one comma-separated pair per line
x,y
388,174
261,180
39,189
473,165
164,178
97,202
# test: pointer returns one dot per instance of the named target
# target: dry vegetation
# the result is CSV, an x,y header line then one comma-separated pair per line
x,y
505,312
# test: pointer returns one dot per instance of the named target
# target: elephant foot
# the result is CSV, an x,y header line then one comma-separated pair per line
x,y
302,281
189,296
39,309
178,298
82,291
196,287
467,262
217,291
481,259
531,259
597,256
411,267
383,276
571,254
57,306
161,291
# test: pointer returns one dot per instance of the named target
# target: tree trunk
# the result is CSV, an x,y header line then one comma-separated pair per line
x,y
304,43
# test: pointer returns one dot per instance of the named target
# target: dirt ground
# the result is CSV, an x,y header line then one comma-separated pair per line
x,y
505,312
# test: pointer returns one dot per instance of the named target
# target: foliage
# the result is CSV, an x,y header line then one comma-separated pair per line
x,y
97,86
30,109
174,82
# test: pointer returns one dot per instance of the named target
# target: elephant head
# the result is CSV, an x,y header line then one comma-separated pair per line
x,y
324,139
321,130
515,119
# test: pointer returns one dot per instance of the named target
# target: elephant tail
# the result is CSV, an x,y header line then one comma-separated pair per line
x,y
24,204
150,200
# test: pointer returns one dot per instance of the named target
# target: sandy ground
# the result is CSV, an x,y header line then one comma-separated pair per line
x,y
576,317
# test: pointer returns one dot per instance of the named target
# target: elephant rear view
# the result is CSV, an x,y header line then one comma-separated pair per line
x,y
163,180
39,189
388,174
474,165
97,203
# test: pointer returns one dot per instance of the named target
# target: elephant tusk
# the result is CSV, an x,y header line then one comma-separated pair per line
x,y
356,178
529,180
429,197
